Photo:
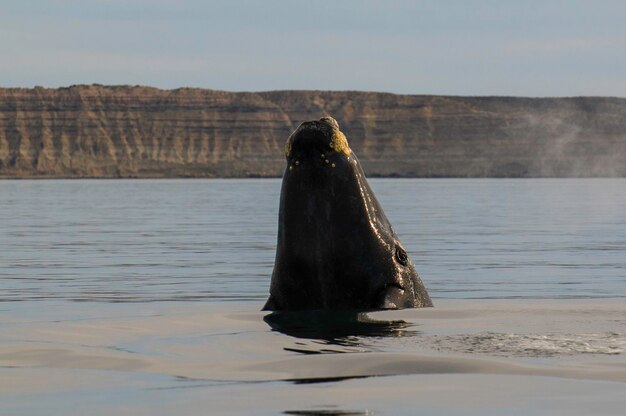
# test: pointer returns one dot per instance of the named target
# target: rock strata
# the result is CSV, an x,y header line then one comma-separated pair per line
x,y
134,131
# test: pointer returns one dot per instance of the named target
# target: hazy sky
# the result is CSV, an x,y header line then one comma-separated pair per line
x,y
500,47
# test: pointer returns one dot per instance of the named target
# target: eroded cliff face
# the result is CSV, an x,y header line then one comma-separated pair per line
x,y
123,131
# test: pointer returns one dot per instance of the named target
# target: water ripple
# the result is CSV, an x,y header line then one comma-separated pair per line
x,y
213,240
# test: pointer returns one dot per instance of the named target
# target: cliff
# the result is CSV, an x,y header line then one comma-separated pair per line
x,y
125,131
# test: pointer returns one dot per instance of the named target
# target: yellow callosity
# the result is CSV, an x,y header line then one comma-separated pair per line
x,y
288,148
339,143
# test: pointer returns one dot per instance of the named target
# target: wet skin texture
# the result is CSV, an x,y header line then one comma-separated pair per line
x,y
336,249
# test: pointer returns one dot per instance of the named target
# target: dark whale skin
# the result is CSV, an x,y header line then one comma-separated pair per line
x,y
336,248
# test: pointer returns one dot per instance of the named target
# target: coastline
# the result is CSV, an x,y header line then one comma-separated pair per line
x,y
136,131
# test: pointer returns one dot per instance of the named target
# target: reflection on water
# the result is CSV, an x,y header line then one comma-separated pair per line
x,y
326,329
317,380
328,412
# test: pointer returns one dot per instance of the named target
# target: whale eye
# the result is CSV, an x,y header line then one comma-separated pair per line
x,y
401,256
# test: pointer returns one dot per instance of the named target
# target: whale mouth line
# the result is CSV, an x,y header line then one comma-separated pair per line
x,y
392,285
389,296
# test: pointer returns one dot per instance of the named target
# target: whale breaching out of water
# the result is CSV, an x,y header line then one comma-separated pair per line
x,y
336,249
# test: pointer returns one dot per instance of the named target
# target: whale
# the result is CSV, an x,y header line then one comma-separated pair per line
x,y
336,249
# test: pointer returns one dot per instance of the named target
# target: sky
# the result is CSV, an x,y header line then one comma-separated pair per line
x,y
471,47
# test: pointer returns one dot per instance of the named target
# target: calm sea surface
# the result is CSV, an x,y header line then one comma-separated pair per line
x,y
142,297
214,240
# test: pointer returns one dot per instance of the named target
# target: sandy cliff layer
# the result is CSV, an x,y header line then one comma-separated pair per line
x,y
123,131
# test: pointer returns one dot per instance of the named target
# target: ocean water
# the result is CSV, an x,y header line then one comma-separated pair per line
x,y
214,240
143,297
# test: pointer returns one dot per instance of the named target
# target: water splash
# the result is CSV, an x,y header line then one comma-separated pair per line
x,y
530,345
